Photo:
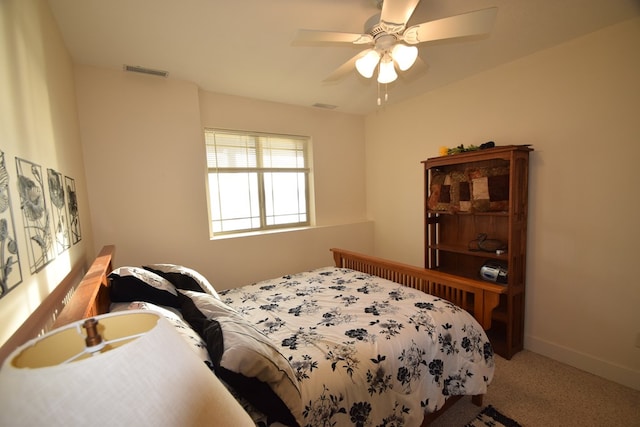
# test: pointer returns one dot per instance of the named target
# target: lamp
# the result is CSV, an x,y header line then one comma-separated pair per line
x,y
134,370
405,56
387,72
366,64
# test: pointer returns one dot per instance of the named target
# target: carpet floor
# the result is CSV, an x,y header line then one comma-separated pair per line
x,y
537,391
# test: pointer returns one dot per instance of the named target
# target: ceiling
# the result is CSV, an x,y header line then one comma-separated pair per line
x,y
245,47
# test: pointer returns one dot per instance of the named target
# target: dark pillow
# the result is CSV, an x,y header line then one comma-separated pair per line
x,y
130,284
183,278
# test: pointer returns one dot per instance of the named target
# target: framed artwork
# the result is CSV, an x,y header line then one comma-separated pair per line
x,y
10,271
59,211
72,206
36,217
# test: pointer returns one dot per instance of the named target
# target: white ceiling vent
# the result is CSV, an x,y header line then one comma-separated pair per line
x,y
143,70
325,106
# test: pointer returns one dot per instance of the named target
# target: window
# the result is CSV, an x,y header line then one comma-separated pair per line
x,y
256,181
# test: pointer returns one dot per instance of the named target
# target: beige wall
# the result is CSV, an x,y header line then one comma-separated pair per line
x,y
145,160
38,123
578,105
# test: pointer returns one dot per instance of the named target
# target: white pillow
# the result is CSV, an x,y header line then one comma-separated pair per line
x,y
183,277
249,352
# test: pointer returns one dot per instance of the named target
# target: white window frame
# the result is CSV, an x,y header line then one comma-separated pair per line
x,y
257,173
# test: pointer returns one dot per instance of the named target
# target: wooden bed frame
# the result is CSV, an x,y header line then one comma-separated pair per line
x,y
478,298
71,302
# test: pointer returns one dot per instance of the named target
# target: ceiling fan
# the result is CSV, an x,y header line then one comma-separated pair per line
x,y
392,44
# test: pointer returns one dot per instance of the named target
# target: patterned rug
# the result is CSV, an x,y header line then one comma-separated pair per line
x,y
491,417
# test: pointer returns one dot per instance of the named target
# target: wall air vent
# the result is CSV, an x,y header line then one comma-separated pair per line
x,y
325,106
143,70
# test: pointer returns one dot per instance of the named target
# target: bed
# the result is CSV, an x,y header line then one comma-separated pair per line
x,y
364,342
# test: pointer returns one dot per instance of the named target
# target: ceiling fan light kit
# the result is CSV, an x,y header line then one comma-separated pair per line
x,y
366,65
390,40
387,72
405,56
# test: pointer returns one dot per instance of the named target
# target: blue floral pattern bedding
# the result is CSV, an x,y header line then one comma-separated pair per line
x,y
367,351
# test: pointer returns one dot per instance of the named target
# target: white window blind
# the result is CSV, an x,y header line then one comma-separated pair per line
x,y
256,181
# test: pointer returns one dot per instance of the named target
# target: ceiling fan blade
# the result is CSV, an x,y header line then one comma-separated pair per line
x,y
466,24
343,70
395,14
320,37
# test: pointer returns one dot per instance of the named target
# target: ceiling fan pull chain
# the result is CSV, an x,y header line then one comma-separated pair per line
x,y
386,95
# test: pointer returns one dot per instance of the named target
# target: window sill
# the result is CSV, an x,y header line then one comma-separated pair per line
x,y
286,230
259,233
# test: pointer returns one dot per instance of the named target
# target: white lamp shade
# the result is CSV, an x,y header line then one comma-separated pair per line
x,y
154,379
366,64
405,56
387,72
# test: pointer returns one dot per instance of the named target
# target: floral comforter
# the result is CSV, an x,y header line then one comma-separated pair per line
x,y
367,351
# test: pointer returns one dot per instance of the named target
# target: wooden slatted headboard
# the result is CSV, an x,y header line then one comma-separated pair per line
x,y
70,301
91,297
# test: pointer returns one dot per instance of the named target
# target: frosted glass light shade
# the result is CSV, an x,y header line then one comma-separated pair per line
x,y
151,378
387,72
366,64
405,56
